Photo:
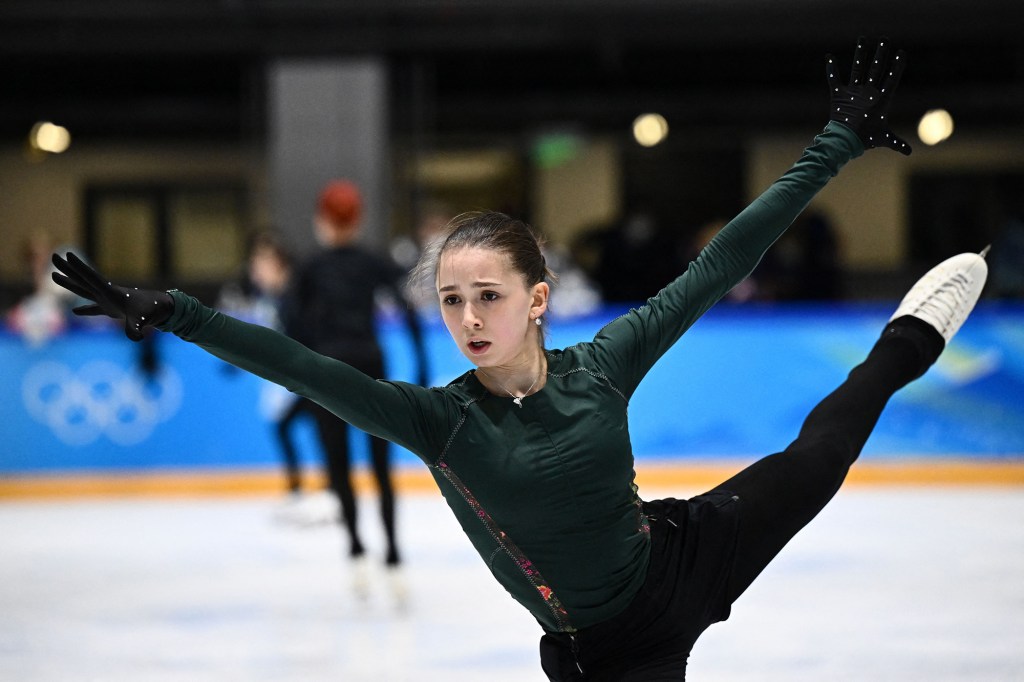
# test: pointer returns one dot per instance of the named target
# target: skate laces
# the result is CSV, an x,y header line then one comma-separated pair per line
x,y
946,302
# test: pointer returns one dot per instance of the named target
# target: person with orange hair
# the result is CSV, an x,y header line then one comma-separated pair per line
x,y
330,308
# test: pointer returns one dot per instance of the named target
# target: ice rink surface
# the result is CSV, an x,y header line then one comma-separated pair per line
x,y
886,584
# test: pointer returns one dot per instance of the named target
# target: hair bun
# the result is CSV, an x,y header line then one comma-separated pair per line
x,y
340,202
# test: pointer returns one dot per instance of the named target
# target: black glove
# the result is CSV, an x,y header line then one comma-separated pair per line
x,y
139,308
863,105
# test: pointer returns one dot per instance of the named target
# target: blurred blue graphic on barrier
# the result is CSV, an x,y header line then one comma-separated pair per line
x,y
738,384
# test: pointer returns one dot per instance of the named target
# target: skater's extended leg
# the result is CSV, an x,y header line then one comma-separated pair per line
x,y
781,493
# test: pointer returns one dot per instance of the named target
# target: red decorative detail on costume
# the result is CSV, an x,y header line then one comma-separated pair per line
x,y
525,565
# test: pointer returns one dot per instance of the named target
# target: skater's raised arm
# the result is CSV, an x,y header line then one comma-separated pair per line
x,y
630,345
858,120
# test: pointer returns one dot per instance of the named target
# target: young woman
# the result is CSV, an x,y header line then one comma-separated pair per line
x,y
531,449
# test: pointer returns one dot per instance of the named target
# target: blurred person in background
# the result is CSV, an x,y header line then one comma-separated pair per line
x,y
803,265
330,308
45,312
751,288
576,294
257,296
631,264
531,447
808,261
406,251
1008,260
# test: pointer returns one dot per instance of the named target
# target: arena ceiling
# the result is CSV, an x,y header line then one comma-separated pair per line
x,y
194,68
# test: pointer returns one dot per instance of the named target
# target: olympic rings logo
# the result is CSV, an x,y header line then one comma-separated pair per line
x,y
99,399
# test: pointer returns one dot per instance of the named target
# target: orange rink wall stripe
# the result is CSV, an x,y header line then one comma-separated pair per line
x,y
689,478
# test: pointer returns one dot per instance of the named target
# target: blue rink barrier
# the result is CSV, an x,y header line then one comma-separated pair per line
x,y
738,384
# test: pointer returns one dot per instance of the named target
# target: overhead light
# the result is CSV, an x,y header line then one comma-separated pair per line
x,y
935,126
49,137
650,129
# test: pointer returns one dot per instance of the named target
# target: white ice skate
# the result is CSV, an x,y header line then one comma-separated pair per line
x,y
308,510
946,295
399,587
361,577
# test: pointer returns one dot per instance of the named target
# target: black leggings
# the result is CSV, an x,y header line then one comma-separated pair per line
x,y
708,550
333,434
781,493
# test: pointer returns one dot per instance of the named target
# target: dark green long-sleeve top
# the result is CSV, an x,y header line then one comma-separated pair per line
x,y
545,491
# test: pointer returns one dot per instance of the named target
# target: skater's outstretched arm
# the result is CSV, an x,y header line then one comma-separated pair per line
x,y
629,346
858,120
392,410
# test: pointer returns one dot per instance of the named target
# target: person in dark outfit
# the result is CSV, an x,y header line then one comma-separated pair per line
x,y
256,296
531,449
331,308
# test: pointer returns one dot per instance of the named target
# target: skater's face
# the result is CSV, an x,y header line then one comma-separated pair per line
x,y
488,308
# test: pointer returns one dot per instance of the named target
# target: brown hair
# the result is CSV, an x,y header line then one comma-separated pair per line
x,y
493,231
498,232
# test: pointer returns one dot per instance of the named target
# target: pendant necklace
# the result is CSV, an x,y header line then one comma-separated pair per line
x,y
518,399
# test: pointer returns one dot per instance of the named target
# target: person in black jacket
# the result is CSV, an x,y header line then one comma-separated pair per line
x,y
331,308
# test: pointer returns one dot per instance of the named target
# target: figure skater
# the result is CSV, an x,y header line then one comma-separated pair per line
x,y
531,448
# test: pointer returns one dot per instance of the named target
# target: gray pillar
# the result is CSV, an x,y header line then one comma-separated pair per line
x,y
327,119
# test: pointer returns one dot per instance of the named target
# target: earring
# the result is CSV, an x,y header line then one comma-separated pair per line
x,y
536,321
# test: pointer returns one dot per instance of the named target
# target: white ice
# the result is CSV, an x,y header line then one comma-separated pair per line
x,y
886,584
